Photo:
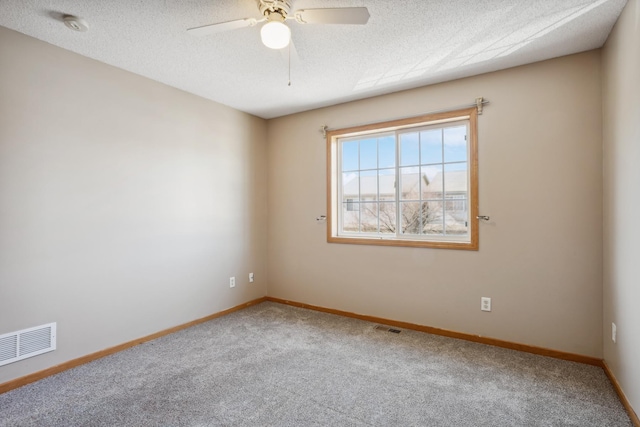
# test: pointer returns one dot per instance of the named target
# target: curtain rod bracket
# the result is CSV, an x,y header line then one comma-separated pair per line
x,y
479,102
323,131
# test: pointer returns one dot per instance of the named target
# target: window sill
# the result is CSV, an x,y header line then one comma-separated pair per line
x,y
470,246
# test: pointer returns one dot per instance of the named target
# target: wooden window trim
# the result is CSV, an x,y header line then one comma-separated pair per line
x,y
470,114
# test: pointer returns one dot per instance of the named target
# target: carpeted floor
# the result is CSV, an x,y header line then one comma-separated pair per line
x,y
275,365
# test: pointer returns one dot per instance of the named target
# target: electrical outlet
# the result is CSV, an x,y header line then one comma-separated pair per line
x,y
485,304
250,277
232,282
614,332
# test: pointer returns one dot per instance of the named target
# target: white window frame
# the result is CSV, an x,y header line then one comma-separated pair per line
x,y
468,241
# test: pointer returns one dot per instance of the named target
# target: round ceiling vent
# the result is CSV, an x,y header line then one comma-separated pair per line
x,y
75,23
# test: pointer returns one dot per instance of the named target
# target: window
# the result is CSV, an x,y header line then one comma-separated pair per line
x,y
410,182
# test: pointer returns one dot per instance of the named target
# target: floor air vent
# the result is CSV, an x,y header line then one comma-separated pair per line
x,y
387,329
26,343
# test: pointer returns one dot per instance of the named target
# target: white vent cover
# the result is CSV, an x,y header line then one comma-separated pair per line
x,y
26,343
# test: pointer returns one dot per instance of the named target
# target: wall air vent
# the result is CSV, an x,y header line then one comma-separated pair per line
x,y
26,343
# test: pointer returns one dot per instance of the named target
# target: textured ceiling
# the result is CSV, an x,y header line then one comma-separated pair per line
x,y
406,44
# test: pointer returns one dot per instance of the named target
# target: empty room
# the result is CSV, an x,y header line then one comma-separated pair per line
x,y
306,212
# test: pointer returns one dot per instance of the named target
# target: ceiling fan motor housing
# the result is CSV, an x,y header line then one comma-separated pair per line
x,y
275,10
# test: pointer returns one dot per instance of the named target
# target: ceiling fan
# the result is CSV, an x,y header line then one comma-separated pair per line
x,y
275,34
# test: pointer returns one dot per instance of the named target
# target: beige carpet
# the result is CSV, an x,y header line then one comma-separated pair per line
x,y
275,365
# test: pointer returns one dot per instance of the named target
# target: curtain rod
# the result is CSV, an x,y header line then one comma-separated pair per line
x,y
480,102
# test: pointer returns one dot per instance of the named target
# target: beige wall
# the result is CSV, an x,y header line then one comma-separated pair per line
x,y
621,124
540,256
125,205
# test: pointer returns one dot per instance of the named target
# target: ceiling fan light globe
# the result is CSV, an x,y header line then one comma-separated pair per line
x,y
275,35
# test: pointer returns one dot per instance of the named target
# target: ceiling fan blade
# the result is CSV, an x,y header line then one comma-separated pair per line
x,y
205,30
342,15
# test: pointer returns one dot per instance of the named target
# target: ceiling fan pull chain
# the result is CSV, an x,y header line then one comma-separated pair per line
x,y
289,47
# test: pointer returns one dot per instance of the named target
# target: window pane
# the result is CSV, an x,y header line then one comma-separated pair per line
x,y
350,186
409,149
456,196
388,218
350,156
410,212
387,184
368,217
350,217
434,188
455,144
432,218
387,152
368,154
455,179
431,146
410,183
369,185
456,216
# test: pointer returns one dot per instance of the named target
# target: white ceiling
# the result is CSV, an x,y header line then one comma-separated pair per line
x,y
406,44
